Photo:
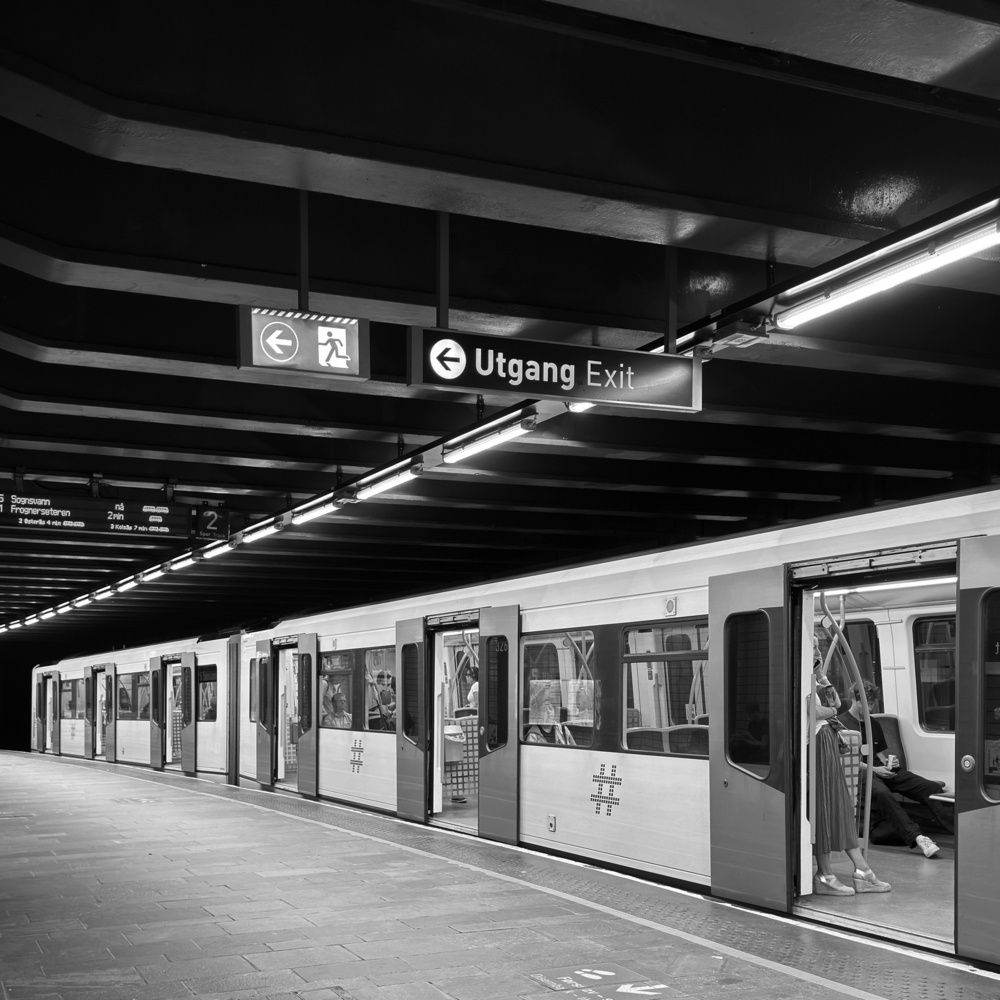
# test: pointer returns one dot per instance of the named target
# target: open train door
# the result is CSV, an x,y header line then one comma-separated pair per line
x,y
267,714
54,710
39,733
233,708
977,751
111,707
411,725
157,714
308,745
89,702
751,800
189,714
498,704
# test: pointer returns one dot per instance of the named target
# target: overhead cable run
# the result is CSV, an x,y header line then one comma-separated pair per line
x,y
516,422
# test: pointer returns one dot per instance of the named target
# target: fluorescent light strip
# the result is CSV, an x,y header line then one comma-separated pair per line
x,y
579,406
31,620
922,237
255,533
81,602
182,562
128,584
218,549
101,595
938,581
47,614
151,574
15,624
63,608
685,338
891,276
307,514
381,485
406,462
490,440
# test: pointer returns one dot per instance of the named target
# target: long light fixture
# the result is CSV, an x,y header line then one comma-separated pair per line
x,y
103,595
123,585
488,438
936,250
389,482
868,588
184,561
256,533
218,549
308,512
15,625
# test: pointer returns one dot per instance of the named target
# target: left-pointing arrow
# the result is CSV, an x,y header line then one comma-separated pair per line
x,y
276,342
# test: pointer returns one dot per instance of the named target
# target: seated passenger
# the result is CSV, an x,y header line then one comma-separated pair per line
x,y
889,819
548,730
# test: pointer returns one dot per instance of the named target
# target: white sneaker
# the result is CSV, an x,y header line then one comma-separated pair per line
x,y
927,846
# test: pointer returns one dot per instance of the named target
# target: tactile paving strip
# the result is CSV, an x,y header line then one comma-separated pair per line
x,y
851,961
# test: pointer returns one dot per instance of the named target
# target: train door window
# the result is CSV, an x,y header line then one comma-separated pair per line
x,y
497,674
380,685
336,684
748,687
664,681
558,688
991,695
208,692
411,721
934,657
305,691
253,689
142,695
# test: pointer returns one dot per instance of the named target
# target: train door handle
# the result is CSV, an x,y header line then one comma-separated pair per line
x,y
482,730
968,763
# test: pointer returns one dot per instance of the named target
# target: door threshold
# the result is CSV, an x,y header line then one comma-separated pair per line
x,y
850,922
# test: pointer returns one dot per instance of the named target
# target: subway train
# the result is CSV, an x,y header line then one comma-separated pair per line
x,y
648,713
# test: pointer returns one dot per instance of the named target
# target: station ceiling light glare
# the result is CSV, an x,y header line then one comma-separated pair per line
x,y
15,624
390,481
262,531
151,574
31,620
934,248
48,614
683,339
101,595
488,438
183,562
580,405
307,513
128,584
81,602
63,608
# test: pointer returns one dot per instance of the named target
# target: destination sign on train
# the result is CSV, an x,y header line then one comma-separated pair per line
x,y
303,342
31,509
451,359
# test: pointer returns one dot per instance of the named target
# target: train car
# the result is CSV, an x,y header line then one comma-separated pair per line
x,y
651,713
158,708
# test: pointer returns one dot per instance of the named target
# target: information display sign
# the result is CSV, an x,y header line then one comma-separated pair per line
x,y
61,513
305,342
450,359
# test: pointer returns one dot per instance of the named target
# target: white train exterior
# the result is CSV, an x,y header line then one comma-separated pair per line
x,y
598,711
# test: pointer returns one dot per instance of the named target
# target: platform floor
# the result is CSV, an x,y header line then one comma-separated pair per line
x,y
119,883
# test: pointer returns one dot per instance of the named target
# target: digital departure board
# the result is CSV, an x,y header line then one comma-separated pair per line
x,y
125,517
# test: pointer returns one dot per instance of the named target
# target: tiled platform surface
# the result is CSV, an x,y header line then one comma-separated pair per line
x,y
117,883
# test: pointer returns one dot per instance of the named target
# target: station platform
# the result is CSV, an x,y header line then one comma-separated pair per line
x,y
117,882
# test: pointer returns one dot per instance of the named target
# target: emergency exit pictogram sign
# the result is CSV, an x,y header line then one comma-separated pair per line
x,y
309,342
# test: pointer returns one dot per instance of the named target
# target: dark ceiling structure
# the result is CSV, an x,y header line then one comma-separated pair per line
x,y
609,173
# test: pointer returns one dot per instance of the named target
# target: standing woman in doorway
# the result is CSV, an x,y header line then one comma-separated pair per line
x,y
836,827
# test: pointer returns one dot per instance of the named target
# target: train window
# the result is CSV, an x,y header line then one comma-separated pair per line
x,y
208,692
72,699
664,681
410,668
253,689
380,686
862,637
336,689
991,695
496,665
305,692
748,688
934,663
558,688
187,693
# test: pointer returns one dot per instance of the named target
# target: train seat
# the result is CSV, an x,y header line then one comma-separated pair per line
x,y
894,743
